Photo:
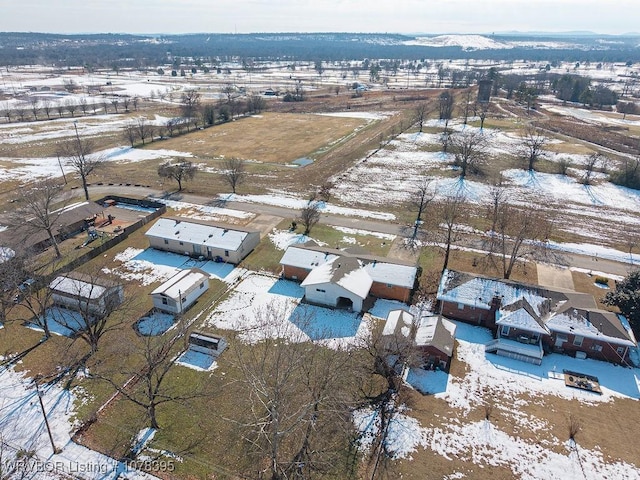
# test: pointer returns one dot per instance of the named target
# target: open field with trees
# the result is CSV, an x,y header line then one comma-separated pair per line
x,y
399,159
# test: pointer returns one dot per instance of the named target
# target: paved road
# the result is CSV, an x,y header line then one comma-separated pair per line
x,y
586,262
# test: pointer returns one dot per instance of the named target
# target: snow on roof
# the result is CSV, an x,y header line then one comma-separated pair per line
x,y
181,283
437,332
72,286
346,272
398,319
596,325
522,319
310,255
478,291
303,258
199,233
392,274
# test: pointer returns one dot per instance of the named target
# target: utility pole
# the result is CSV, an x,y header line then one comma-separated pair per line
x,y
46,420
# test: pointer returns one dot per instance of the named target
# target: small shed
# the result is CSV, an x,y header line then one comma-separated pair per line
x,y
435,339
207,344
85,294
181,291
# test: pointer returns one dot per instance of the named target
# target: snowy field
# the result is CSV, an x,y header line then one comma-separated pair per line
x,y
263,306
23,429
393,173
151,266
512,384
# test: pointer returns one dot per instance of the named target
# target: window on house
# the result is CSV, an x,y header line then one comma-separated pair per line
x,y
535,337
202,285
166,242
320,290
164,301
460,306
226,253
505,331
184,299
596,347
181,243
577,341
620,351
389,285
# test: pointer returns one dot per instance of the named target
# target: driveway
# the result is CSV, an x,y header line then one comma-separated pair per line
x,y
558,278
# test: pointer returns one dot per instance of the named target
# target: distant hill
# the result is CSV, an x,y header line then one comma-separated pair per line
x,y
100,50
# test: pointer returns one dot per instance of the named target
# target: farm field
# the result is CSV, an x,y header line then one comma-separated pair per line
x,y
365,157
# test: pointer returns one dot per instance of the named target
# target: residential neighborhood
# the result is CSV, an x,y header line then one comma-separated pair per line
x,y
318,255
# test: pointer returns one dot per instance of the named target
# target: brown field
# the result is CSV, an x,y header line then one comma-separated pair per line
x,y
270,137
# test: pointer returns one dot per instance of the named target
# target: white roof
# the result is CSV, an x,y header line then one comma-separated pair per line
x,y
356,281
479,292
72,286
521,319
427,328
391,273
196,233
578,325
398,318
380,272
180,283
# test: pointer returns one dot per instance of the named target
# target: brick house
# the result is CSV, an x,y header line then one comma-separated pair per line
x,y
529,321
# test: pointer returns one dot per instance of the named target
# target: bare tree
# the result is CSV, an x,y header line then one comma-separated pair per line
x,y
115,102
421,114
84,105
520,232
135,101
179,172
125,103
21,112
47,107
310,216
234,172
297,420
60,108
130,133
71,106
143,128
36,212
532,145
229,91
151,359
451,214
593,162
423,195
82,159
99,304
190,104
470,149
35,104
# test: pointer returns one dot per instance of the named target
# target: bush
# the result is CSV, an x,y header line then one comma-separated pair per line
x,y
602,280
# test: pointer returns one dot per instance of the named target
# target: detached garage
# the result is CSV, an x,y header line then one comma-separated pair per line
x,y
341,282
181,291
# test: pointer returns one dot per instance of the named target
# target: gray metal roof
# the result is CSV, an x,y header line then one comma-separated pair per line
x,y
199,233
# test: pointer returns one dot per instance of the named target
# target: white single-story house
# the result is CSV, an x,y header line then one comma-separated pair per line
x,y
340,282
181,291
86,294
210,240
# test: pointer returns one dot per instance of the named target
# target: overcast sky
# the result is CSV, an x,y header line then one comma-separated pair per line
x,y
248,16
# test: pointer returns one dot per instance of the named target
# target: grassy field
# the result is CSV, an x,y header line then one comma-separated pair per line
x,y
269,137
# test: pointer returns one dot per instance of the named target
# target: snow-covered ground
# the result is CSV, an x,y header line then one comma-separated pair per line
x,y
23,429
263,306
512,384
